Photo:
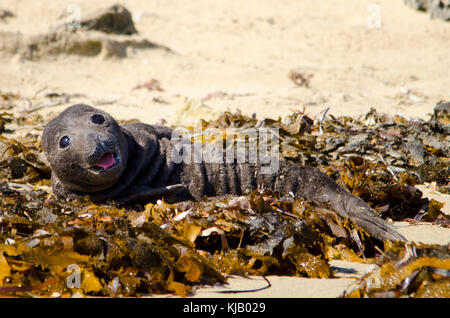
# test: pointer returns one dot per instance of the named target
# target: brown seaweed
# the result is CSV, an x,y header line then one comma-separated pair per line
x,y
117,250
407,271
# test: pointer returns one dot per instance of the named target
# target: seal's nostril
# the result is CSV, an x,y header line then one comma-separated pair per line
x,y
98,119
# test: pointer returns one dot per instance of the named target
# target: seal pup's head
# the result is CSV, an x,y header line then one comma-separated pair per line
x,y
86,148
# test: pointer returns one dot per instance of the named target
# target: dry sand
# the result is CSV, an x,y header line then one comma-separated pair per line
x,y
237,54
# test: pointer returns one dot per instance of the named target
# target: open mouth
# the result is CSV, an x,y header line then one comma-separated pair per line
x,y
107,161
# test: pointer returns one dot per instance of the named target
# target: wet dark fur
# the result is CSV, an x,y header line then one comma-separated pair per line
x,y
151,174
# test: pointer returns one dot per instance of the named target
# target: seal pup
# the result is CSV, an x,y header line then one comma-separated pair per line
x,y
90,153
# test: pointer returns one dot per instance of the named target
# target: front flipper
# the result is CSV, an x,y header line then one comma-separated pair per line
x,y
61,192
145,193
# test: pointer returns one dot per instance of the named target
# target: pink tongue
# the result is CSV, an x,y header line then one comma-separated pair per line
x,y
106,161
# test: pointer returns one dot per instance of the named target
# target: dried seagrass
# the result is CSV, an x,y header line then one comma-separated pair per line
x,y
173,248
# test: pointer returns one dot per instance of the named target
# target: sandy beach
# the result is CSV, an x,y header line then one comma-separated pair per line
x,y
214,56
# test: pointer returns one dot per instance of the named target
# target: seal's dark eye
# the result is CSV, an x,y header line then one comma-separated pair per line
x,y
98,119
64,142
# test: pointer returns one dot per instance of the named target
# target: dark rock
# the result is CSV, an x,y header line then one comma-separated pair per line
x,y
4,14
421,5
116,19
438,9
